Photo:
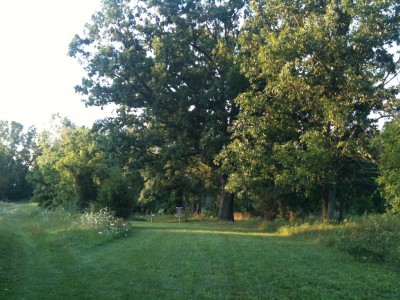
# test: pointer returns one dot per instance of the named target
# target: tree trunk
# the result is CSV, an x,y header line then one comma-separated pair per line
x,y
197,206
342,213
227,201
331,202
324,209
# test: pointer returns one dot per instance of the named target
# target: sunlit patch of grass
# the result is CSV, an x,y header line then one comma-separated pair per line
x,y
307,229
217,232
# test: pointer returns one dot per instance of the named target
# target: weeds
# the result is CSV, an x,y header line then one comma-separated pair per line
x,y
104,222
369,238
372,237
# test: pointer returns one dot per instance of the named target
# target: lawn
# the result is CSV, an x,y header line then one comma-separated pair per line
x,y
43,257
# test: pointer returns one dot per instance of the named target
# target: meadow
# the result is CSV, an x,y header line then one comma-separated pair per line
x,y
57,255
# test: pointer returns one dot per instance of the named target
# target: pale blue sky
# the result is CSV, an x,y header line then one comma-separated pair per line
x,y
37,78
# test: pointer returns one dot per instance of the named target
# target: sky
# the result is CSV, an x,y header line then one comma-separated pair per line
x,y
37,77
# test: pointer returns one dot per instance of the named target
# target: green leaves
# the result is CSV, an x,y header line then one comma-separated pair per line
x,y
174,62
17,148
293,92
317,71
389,165
67,168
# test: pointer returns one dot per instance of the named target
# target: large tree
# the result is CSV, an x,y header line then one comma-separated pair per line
x,y
169,66
318,69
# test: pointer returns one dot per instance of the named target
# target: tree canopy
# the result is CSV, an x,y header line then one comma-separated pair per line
x,y
266,106
16,156
318,70
389,164
170,66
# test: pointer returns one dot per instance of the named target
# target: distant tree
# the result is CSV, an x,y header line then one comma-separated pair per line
x,y
16,157
389,164
66,172
80,168
170,67
317,72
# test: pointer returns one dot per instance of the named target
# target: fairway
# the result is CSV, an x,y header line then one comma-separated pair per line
x,y
38,260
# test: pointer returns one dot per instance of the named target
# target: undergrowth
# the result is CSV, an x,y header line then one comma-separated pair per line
x,y
103,222
369,237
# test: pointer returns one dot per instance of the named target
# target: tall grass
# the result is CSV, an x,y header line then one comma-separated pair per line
x,y
38,222
369,237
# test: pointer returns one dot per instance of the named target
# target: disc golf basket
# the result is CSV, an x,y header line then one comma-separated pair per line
x,y
179,213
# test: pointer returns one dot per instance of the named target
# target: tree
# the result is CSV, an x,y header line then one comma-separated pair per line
x,y
115,193
120,180
79,168
389,164
16,157
317,72
67,169
169,66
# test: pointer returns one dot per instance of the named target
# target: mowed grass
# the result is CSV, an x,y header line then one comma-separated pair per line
x,y
44,257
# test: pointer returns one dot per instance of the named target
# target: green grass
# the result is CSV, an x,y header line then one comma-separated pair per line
x,y
44,255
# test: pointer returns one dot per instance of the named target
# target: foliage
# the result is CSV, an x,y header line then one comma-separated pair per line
x,y
67,167
16,156
317,72
170,68
271,102
389,164
372,237
117,194
78,168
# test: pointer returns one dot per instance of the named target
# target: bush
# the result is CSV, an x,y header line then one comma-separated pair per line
x,y
369,238
372,237
104,222
115,193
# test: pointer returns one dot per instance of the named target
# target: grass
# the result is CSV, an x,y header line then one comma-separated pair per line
x,y
46,254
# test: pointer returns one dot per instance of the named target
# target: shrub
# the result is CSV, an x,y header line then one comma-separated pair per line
x,y
104,222
372,237
369,238
115,193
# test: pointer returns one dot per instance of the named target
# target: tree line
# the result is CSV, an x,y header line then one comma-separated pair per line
x,y
264,106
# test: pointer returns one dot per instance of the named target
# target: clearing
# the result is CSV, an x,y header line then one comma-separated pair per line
x,y
42,258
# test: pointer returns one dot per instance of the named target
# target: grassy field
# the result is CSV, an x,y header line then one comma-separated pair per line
x,y
49,256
